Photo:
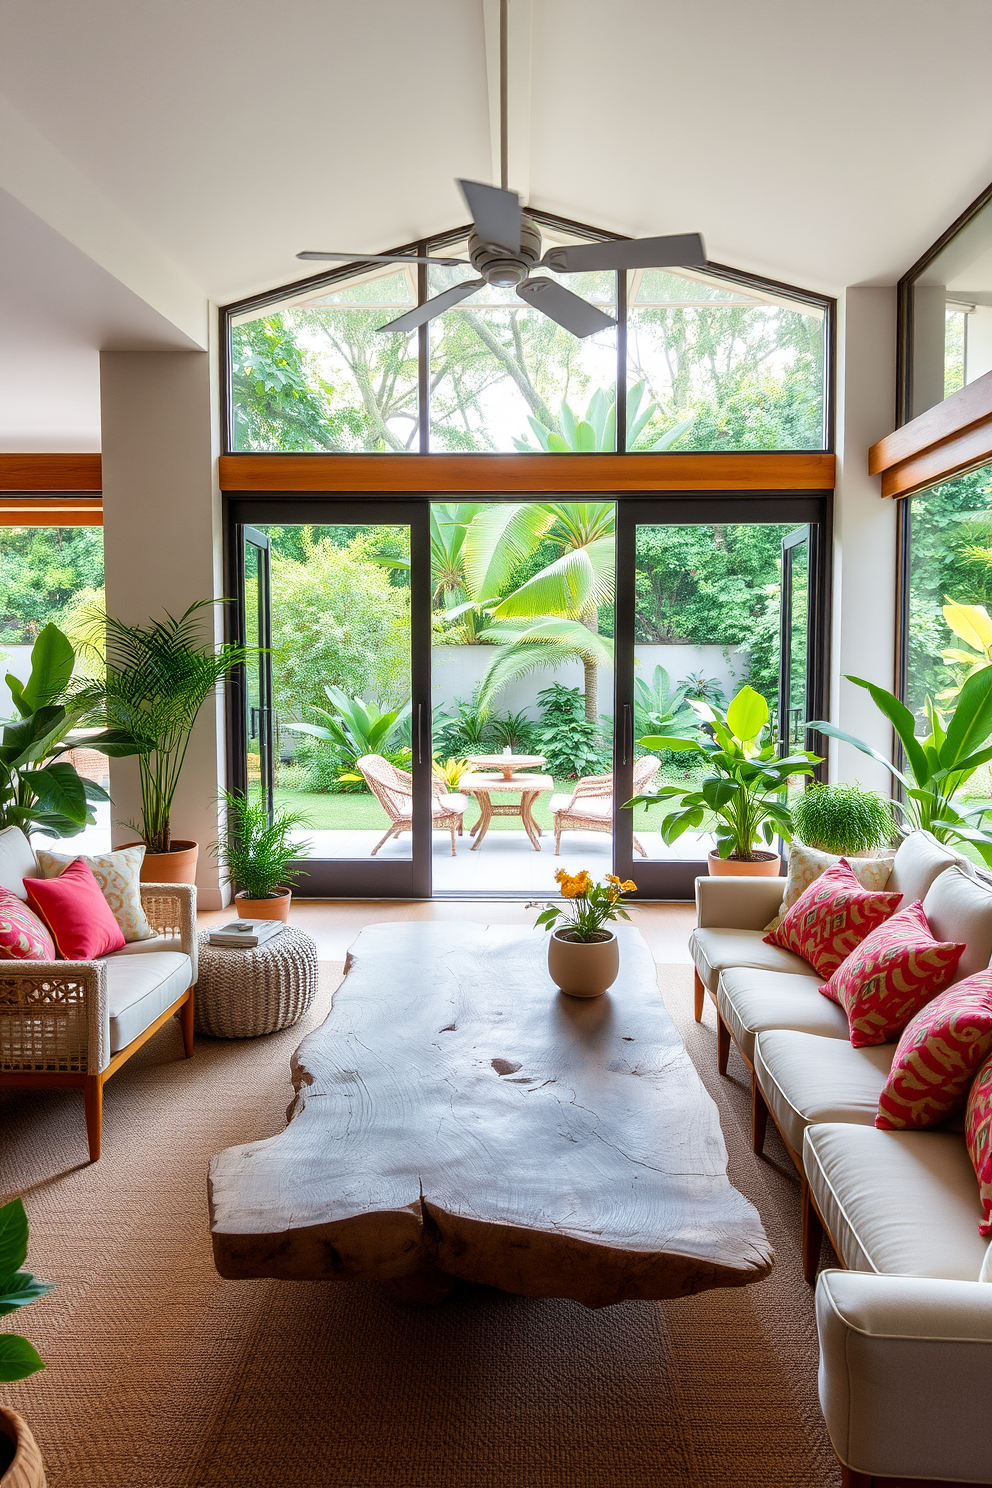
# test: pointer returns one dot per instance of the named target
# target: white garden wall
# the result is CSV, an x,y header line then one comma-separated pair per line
x,y
457,670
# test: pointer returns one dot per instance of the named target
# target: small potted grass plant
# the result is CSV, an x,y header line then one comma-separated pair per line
x,y
256,854
20,1459
843,820
583,954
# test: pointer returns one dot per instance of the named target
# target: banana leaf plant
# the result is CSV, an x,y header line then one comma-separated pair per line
x,y
354,728
39,792
939,763
744,791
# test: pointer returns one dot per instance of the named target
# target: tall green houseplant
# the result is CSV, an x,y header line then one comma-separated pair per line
x,y
159,676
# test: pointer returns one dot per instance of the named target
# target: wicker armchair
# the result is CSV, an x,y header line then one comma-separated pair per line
x,y
393,789
71,1024
590,806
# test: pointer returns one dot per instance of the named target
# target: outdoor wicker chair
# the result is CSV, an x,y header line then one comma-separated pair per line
x,y
393,789
590,806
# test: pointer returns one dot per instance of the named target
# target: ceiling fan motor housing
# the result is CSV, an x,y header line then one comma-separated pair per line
x,y
497,265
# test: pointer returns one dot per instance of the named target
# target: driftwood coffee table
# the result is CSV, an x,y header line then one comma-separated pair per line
x,y
457,1118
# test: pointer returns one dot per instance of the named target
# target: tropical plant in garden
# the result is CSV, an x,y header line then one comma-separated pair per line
x,y
571,745
744,791
596,429
973,624
256,852
468,732
938,764
450,771
354,728
38,791
842,819
511,731
588,906
18,1358
660,706
158,677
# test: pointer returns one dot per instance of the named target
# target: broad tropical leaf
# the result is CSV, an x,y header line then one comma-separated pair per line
x,y
498,539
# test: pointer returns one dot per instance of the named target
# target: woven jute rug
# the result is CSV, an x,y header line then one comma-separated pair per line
x,y
160,1374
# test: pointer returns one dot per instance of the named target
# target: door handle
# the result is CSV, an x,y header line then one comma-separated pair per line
x,y
420,733
626,736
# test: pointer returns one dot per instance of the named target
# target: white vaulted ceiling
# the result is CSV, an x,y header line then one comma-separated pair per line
x,y
824,142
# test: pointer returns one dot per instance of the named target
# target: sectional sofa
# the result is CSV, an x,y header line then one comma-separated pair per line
x,y
905,1328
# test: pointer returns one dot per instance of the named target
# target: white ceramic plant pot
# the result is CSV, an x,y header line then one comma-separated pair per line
x,y
583,968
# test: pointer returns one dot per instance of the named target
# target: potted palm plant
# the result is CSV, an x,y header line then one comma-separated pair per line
x,y
256,852
743,792
20,1459
158,676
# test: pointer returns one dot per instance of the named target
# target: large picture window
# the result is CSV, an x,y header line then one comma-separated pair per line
x,y
699,360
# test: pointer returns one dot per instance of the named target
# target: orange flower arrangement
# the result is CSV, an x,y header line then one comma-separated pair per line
x,y
589,905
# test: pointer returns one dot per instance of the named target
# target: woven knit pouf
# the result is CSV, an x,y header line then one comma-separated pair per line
x,y
243,994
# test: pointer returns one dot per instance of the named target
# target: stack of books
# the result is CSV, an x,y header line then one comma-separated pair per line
x,y
245,934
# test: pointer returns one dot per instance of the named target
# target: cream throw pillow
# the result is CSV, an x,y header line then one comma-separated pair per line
x,y
117,874
807,863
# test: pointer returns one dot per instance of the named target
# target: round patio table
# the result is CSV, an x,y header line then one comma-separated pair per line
x,y
507,763
484,787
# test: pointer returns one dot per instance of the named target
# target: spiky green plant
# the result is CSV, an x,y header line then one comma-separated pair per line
x,y
254,852
842,819
159,676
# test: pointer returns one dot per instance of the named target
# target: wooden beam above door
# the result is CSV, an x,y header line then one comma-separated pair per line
x,y
26,472
948,440
761,471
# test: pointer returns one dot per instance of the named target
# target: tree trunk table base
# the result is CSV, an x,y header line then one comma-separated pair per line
x,y
459,1119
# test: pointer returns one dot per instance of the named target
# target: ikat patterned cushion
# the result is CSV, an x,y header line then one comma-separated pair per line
x,y
937,1056
831,917
978,1135
23,936
117,873
807,863
894,972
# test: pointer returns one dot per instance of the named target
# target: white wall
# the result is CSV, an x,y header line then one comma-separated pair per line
x,y
162,547
864,534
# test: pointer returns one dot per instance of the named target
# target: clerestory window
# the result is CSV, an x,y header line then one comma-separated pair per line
x,y
706,359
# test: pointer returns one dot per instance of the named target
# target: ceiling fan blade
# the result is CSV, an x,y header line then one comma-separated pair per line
x,y
496,214
414,318
312,254
560,304
682,251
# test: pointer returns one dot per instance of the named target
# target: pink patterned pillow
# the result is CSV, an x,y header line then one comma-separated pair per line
x,y
978,1135
893,972
937,1056
23,936
831,917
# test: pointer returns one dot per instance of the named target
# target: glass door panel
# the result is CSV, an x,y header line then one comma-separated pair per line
x,y
336,724
710,590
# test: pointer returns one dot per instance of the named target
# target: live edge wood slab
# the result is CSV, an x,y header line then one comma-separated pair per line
x,y
459,1119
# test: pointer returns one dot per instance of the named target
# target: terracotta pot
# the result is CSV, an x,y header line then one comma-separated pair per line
x,y
27,1469
583,968
264,909
177,866
765,865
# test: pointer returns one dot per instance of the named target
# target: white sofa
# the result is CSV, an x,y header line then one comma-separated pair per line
x,y
906,1330
71,1024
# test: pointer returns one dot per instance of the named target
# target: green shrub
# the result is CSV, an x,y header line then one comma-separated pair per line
x,y
842,819
571,745
255,853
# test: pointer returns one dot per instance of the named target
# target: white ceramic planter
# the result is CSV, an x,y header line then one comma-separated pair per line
x,y
583,968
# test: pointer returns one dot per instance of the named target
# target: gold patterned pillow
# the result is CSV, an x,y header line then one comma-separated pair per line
x,y
807,863
117,874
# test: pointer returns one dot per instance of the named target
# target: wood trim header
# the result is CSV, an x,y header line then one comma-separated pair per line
x,y
50,473
948,440
800,471
58,511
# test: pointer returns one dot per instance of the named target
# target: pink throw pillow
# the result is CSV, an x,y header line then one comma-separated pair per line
x,y
978,1135
831,917
893,972
937,1056
75,911
23,937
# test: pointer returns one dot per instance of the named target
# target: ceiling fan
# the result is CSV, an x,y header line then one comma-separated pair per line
x,y
504,248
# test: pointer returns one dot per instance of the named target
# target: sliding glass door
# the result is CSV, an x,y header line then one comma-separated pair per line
x,y
712,593
331,720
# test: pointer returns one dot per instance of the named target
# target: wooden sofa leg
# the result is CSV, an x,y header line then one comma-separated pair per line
x,y
699,996
759,1117
93,1105
186,1023
851,1479
722,1044
812,1240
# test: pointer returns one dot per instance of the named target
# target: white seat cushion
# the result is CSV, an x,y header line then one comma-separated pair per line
x,y
958,907
899,1203
806,1079
716,950
154,945
918,860
141,984
452,803
751,1002
584,806
17,861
